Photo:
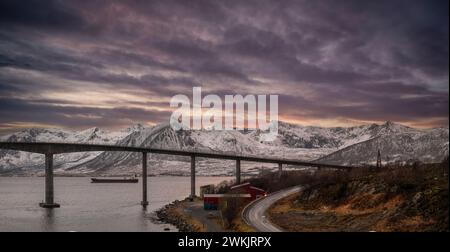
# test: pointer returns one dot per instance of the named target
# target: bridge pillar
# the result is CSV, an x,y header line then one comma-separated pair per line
x,y
238,171
192,196
49,193
144,201
280,170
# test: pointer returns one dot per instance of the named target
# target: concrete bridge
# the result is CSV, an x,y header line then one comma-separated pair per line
x,y
50,149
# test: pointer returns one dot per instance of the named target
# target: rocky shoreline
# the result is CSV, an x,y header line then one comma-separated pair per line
x,y
168,214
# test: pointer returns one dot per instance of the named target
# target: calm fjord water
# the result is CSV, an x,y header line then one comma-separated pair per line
x,y
89,207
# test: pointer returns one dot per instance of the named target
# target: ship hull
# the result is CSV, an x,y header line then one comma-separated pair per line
x,y
112,180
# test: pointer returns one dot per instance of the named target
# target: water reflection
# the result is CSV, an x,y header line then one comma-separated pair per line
x,y
48,219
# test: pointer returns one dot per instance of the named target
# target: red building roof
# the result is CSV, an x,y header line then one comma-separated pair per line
x,y
246,195
247,185
241,185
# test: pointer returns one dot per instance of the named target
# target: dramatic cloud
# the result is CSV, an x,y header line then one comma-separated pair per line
x,y
80,64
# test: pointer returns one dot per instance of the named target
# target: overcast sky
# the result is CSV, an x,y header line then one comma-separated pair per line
x,y
111,64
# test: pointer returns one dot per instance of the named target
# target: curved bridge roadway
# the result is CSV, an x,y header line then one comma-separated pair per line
x,y
255,213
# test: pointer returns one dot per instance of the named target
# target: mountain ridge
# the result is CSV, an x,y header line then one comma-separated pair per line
x,y
339,145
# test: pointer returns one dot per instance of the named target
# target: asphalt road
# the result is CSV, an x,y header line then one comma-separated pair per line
x,y
255,213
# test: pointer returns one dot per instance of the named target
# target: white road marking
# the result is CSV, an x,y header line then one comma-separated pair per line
x,y
255,214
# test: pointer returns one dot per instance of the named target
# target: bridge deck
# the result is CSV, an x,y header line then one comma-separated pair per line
x,y
58,148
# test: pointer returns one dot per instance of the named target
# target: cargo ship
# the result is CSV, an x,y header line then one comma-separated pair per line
x,y
114,180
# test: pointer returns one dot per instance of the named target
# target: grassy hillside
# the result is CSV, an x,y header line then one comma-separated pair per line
x,y
395,198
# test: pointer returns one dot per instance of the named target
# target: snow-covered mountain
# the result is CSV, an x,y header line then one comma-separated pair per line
x,y
428,146
339,145
19,162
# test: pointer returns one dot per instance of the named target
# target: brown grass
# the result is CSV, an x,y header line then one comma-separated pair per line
x,y
401,198
240,226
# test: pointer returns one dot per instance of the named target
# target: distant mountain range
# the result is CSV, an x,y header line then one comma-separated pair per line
x,y
338,145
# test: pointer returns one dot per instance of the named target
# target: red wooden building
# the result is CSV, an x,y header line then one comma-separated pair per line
x,y
245,191
213,201
254,192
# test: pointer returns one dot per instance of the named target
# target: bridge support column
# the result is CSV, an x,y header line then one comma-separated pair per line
x,y
144,201
192,196
238,171
280,170
49,193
